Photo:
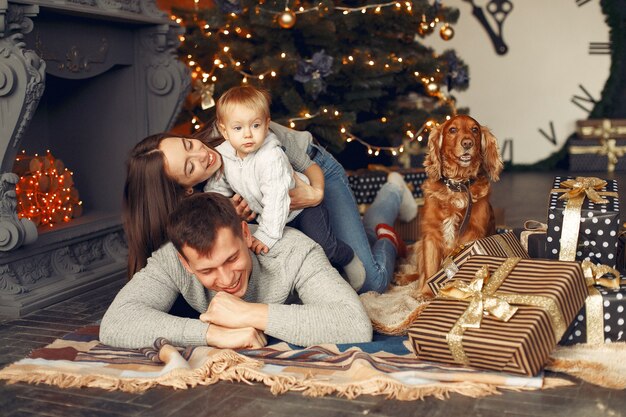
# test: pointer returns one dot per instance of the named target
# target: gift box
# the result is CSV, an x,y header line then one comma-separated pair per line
x,y
533,238
601,320
529,304
621,252
365,184
601,129
587,155
503,245
609,321
583,220
600,145
409,231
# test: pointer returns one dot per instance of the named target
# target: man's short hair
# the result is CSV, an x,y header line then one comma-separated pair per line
x,y
198,218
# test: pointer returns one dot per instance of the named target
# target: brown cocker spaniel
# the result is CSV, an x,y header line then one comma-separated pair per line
x,y
463,158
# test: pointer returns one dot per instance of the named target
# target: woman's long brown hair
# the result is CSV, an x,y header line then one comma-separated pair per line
x,y
150,196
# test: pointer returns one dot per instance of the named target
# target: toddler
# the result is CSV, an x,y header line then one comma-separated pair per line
x,y
256,168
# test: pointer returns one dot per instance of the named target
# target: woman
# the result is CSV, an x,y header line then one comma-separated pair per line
x,y
163,168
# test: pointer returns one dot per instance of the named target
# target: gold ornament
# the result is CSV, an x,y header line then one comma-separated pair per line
x,y
203,92
424,28
433,88
446,32
287,19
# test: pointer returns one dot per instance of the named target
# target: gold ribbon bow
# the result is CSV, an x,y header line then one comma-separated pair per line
x,y
594,273
606,133
607,147
605,130
483,299
480,302
203,91
593,304
575,192
531,227
582,187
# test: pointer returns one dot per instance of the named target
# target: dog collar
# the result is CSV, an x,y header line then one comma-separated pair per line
x,y
457,186
461,186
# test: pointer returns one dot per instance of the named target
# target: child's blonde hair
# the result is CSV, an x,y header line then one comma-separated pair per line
x,y
246,95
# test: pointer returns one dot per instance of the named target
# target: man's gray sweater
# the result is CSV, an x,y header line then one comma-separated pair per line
x,y
330,311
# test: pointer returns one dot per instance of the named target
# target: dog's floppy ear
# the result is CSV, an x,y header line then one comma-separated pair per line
x,y
492,161
432,162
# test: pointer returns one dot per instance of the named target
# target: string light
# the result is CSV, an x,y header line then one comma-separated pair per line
x,y
391,63
393,150
45,192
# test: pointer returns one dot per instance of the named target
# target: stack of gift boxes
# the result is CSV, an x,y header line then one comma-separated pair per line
x,y
599,145
497,308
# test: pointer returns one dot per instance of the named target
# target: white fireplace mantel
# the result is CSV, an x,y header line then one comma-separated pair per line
x,y
86,79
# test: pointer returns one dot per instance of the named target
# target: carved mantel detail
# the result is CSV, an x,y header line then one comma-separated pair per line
x,y
67,267
74,59
60,73
168,80
14,232
22,78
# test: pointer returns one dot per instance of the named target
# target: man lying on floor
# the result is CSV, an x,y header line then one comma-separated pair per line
x,y
241,295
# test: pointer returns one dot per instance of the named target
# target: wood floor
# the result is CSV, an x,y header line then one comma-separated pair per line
x,y
523,195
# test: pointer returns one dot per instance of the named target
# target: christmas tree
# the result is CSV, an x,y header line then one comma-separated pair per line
x,y
347,71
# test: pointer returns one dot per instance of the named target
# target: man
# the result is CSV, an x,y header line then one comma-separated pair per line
x,y
241,295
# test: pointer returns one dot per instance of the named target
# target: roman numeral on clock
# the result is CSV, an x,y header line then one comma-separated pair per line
x,y
585,103
599,48
552,136
580,3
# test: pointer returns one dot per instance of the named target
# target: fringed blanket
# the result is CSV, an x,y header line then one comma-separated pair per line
x,y
383,367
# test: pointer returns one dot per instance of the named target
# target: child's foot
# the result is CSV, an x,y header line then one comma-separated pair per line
x,y
355,272
408,206
384,231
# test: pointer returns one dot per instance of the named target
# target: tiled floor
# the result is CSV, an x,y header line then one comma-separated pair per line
x,y
523,195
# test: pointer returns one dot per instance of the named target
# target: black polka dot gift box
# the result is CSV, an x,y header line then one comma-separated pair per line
x,y
602,318
583,220
365,184
586,155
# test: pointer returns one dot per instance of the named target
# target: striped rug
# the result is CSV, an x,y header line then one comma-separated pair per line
x,y
383,367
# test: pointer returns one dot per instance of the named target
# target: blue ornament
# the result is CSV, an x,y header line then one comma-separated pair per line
x,y
312,71
229,6
457,77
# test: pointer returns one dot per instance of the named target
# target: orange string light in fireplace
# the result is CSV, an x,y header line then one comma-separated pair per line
x,y
45,192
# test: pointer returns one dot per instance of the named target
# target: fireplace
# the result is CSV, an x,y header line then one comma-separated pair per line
x,y
85,79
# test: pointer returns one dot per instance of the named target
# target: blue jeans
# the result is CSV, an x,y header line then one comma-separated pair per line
x,y
315,223
378,255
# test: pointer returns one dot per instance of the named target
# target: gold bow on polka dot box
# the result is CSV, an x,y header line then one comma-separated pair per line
x,y
583,220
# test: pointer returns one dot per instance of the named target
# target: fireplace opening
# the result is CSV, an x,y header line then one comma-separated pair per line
x,y
88,81
87,124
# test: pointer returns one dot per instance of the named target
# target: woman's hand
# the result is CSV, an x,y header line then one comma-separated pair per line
x,y
303,195
242,208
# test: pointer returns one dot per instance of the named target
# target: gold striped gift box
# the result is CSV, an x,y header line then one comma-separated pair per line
x,y
502,245
542,298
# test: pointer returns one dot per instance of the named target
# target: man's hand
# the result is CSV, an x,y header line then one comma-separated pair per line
x,y
223,337
229,311
258,247
242,208
303,195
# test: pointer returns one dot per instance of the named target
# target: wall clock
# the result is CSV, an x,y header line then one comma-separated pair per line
x,y
536,67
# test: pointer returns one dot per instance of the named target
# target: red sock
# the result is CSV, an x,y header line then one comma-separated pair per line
x,y
384,231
